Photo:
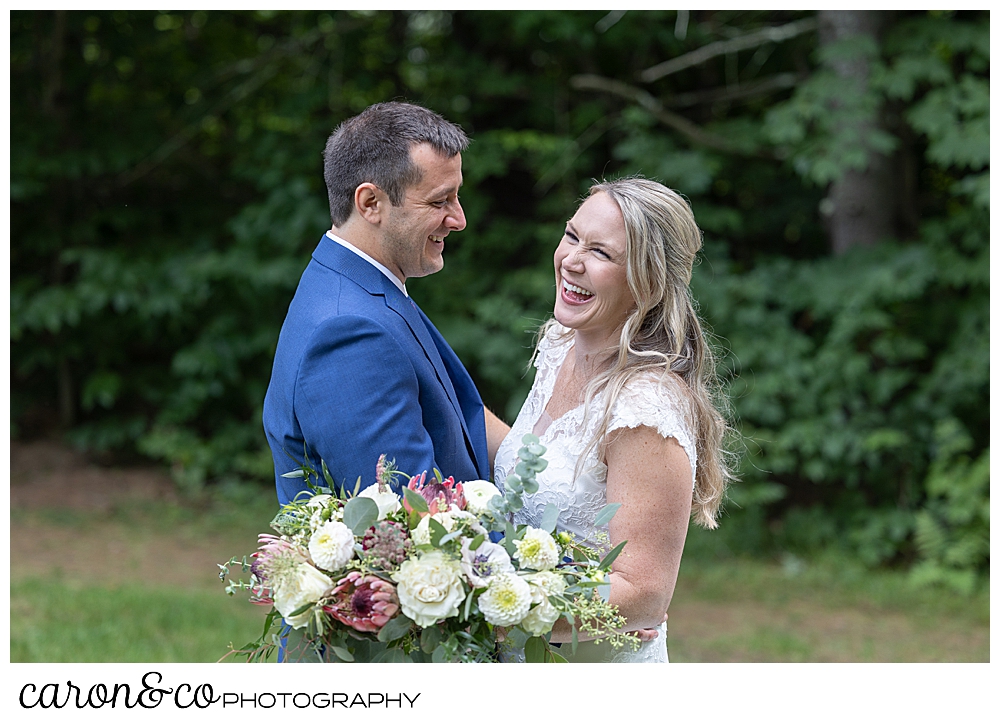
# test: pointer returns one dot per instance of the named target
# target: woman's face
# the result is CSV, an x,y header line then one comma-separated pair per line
x,y
592,293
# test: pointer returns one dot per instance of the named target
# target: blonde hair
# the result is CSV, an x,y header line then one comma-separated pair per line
x,y
663,334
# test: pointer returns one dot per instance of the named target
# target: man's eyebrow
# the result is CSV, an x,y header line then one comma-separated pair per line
x,y
446,190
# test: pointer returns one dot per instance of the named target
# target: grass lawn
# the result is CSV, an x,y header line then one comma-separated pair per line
x,y
139,583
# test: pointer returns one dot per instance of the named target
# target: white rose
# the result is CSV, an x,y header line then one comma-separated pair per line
x,y
477,495
305,585
537,550
506,600
331,545
387,501
429,588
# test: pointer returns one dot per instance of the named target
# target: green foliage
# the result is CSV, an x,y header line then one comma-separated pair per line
x,y
842,369
167,190
953,528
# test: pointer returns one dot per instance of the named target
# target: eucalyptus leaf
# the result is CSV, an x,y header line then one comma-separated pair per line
x,y
530,486
550,516
606,513
610,557
360,513
537,465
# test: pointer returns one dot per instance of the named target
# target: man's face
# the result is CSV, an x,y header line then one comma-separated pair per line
x,y
413,234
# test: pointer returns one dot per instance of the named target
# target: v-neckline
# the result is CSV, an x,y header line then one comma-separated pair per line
x,y
547,397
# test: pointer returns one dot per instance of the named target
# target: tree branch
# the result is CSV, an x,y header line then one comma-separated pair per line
x,y
722,47
779,81
265,67
672,120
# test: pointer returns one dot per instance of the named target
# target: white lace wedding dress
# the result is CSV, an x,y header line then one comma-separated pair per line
x,y
641,403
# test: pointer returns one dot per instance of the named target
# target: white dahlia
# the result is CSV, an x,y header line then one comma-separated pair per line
x,y
543,615
332,545
506,600
537,550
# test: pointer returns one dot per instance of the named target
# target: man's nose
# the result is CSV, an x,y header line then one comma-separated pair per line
x,y
455,220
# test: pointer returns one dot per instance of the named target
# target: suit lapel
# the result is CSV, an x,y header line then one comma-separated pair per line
x,y
347,263
407,309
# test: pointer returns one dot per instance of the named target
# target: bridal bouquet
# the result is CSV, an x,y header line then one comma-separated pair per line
x,y
370,577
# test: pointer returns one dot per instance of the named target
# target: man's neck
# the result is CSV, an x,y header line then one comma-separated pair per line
x,y
373,260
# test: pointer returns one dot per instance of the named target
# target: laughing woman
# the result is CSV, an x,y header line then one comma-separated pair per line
x,y
625,401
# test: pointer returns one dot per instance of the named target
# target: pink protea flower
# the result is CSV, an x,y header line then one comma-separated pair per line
x,y
364,602
440,496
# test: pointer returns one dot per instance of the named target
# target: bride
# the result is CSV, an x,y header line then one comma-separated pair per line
x,y
623,400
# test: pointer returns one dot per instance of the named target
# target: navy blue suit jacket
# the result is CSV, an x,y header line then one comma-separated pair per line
x,y
360,371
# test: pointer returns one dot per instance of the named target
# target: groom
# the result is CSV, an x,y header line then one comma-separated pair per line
x,y
359,369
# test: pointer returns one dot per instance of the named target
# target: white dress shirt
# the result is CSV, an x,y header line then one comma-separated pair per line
x,y
389,275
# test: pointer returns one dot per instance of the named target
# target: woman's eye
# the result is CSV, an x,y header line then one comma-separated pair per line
x,y
602,254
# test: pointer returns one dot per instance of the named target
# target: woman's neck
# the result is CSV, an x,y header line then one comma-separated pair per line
x,y
591,353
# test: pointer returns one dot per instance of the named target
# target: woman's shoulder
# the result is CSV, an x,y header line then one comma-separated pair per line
x,y
661,402
654,399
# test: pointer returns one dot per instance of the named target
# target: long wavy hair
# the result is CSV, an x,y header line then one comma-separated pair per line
x,y
663,335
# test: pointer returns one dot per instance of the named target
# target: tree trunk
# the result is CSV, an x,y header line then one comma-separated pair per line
x,y
862,204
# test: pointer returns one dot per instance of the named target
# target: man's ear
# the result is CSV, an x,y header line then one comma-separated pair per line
x,y
370,202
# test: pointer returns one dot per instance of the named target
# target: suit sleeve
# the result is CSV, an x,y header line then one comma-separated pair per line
x,y
357,397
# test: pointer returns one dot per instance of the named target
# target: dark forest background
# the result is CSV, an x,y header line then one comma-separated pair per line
x,y
167,190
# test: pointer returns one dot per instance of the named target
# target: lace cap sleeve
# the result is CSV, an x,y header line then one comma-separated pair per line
x,y
663,406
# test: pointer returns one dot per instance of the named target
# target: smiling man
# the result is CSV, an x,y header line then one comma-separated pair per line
x,y
359,369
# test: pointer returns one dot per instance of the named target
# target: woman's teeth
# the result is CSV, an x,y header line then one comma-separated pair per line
x,y
576,289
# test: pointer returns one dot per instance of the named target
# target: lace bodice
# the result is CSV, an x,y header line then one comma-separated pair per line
x,y
643,402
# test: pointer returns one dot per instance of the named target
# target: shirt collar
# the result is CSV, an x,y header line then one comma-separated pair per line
x,y
351,247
